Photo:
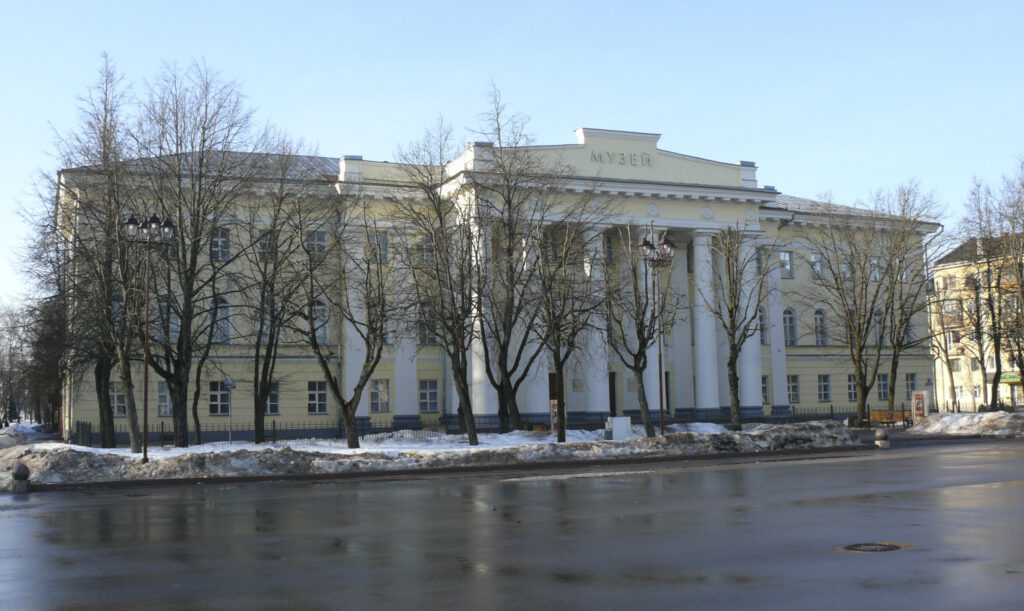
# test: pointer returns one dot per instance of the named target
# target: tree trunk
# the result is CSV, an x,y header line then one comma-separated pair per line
x,y
133,416
641,395
195,413
101,375
734,394
462,390
179,413
348,416
258,419
560,397
862,404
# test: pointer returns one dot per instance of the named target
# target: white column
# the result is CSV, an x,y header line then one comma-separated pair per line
x,y
593,358
682,346
777,343
705,336
406,390
533,392
749,365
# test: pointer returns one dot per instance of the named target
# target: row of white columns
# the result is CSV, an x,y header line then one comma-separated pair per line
x,y
698,361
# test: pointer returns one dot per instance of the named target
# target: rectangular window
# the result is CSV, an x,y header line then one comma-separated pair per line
x,y
786,263
851,387
793,388
958,391
876,269
273,406
764,390
381,246
427,332
163,400
824,388
977,393
267,246
316,402
379,396
975,364
118,401
428,396
911,385
316,243
220,245
883,387
818,265
955,365
220,399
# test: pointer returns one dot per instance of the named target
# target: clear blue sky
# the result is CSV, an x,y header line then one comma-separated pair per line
x,y
847,98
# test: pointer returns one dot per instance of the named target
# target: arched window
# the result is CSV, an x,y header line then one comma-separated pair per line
x,y
820,328
789,326
762,324
220,318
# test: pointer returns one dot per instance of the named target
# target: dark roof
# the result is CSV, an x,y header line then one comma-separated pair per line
x,y
299,166
972,249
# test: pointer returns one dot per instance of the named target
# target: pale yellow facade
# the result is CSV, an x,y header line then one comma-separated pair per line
x,y
688,197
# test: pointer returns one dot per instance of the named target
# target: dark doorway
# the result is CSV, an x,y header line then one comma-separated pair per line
x,y
611,393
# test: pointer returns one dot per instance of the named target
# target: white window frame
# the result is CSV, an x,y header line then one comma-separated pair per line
x,y
793,388
380,396
220,244
820,328
824,388
786,263
163,400
790,330
429,395
118,400
273,405
851,387
220,399
817,266
883,387
316,399
910,380
765,399
220,315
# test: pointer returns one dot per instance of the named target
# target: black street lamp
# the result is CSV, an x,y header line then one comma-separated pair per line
x,y
148,235
657,257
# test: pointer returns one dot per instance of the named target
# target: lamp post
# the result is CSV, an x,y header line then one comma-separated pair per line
x,y
657,257
148,235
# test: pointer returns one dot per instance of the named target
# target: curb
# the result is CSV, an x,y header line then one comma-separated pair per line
x,y
738,457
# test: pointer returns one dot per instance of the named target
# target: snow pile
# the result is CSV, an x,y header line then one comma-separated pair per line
x,y
62,463
986,423
10,436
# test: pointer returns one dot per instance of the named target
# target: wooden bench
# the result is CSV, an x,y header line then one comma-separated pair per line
x,y
890,417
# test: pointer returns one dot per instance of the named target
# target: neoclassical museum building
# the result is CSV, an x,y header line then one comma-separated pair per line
x,y
794,361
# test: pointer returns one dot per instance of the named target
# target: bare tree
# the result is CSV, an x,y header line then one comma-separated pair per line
x,y
518,192
740,284
189,134
439,243
571,290
272,273
868,271
947,321
632,308
100,274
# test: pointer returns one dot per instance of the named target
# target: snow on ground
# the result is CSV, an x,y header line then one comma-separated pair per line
x,y
54,462
986,423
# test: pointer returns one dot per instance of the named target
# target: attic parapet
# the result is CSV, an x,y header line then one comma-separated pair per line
x,y
350,168
748,174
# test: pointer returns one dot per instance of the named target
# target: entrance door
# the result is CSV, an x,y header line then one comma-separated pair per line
x,y
612,393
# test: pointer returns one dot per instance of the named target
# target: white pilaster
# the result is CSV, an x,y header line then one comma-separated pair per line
x,y
777,343
749,365
705,336
406,391
593,358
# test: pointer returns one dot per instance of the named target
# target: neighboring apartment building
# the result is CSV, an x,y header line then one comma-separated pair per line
x,y
797,359
962,323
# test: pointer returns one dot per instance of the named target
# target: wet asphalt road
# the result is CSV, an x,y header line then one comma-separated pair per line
x,y
671,535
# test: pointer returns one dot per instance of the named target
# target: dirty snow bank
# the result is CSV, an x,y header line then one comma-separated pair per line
x,y
988,423
53,463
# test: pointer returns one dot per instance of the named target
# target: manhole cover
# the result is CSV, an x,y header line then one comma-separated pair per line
x,y
873,547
